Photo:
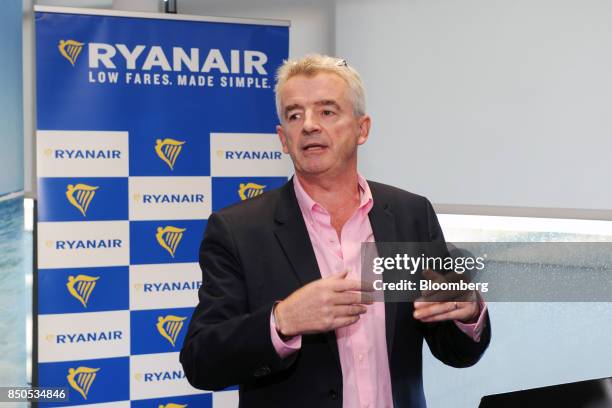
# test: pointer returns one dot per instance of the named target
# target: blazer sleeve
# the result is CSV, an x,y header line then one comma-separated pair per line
x,y
445,340
226,343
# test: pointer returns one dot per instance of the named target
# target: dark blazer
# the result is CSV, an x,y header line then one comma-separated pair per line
x,y
257,252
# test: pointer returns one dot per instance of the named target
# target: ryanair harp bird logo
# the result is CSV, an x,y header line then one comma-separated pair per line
x,y
170,327
169,237
250,190
168,150
81,379
80,196
81,287
172,405
70,49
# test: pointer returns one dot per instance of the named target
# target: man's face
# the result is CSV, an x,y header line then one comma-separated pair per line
x,y
319,128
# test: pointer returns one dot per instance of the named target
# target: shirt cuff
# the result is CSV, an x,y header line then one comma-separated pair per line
x,y
474,330
283,348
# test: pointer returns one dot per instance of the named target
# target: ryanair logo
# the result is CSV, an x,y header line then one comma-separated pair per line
x,y
70,49
87,337
249,154
250,190
170,327
168,198
169,238
81,287
80,196
81,379
177,286
176,59
85,244
172,405
168,150
156,376
72,154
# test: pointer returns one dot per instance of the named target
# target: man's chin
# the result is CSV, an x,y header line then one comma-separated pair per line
x,y
314,170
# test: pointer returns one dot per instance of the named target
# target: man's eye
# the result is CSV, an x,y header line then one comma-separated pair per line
x,y
328,113
294,116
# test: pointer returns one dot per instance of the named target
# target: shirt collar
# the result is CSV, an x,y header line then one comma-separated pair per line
x,y
308,205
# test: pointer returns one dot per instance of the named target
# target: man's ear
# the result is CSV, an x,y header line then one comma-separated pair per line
x,y
364,129
283,138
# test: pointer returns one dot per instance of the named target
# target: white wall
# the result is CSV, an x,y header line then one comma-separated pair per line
x,y
487,102
311,21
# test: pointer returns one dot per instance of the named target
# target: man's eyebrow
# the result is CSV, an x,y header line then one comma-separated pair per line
x,y
328,102
323,102
289,108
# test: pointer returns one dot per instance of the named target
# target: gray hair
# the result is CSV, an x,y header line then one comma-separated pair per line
x,y
313,64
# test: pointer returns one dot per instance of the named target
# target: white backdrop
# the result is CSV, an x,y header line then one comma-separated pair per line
x,y
486,102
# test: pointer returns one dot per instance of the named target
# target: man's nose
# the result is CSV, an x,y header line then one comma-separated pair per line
x,y
310,124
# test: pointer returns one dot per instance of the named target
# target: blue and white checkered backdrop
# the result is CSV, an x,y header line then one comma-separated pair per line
x,y
145,126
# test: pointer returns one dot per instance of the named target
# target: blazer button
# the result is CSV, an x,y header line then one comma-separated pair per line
x,y
333,395
261,371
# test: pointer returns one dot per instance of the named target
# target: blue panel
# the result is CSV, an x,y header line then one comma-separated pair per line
x,y
109,290
159,331
111,382
107,200
146,249
199,401
192,160
156,111
225,190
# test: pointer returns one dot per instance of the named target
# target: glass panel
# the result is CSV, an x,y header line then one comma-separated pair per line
x,y
533,344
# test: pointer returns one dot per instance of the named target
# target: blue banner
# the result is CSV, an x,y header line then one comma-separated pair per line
x,y
70,290
73,199
145,126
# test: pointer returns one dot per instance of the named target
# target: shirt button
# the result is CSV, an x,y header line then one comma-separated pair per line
x,y
332,394
360,357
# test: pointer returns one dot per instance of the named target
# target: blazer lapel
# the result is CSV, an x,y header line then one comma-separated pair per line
x,y
293,237
384,229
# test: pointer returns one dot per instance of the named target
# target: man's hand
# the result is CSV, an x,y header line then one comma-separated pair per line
x,y
436,306
323,305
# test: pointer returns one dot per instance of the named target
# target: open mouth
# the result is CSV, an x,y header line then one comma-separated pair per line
x,y
314,147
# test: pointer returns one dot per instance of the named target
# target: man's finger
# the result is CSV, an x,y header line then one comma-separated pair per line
x,y
435,309
420,304
452,315
352,285
444,295
349,310
351,298
450,296
464,311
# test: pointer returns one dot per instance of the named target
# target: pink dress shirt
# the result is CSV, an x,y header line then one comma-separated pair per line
x,y
362,346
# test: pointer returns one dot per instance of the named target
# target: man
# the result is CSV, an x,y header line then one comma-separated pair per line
x,y
282,311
